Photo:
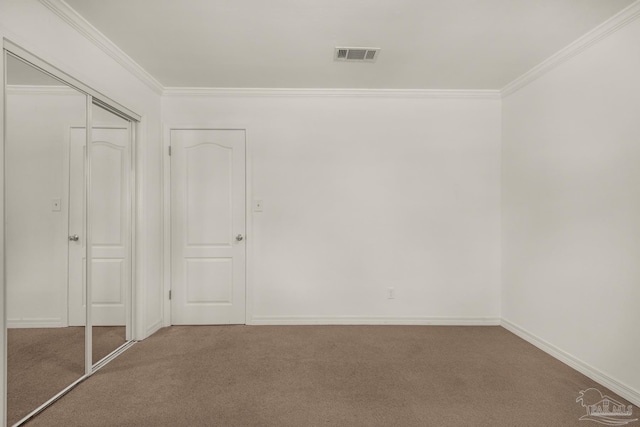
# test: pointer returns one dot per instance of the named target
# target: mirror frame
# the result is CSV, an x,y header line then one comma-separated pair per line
x,y
93,97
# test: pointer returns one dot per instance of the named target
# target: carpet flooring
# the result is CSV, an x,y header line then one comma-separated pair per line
x,y
43,361
327,376
106,339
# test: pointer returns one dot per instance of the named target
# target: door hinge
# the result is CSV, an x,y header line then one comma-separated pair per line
x,y
169,150
169,294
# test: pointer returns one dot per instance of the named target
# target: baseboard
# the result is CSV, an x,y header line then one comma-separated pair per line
x,y
35,323
153,329
374,320
598,376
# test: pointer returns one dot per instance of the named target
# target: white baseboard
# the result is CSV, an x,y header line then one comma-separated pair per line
x,y
152,329
374,320
598,376
35,323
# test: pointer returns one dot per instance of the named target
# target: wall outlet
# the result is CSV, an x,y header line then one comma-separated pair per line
x,y
391,293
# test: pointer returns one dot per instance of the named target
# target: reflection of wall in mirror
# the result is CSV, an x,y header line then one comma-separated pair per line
x,y
38,122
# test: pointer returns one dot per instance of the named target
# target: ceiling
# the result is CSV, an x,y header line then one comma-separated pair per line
x,y
425,44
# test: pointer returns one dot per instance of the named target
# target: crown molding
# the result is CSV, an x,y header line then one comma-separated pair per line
x,y
607,28
41,90
331,93
76,21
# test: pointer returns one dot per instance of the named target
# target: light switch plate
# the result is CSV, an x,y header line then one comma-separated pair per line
x,y
56,205
257,205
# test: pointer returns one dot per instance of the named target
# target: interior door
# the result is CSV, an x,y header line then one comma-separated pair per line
x,y
207,227
110,162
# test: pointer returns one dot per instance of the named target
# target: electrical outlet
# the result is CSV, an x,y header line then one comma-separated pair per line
x,y
391,293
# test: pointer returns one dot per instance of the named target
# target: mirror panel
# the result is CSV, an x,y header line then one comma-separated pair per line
x,y
111,230
44,268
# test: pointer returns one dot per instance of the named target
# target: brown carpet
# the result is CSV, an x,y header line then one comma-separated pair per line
x,y
106,339
43,361
327,376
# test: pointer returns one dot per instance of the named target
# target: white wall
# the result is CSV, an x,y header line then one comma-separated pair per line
x,y
36,142
362,194
571,203
36,29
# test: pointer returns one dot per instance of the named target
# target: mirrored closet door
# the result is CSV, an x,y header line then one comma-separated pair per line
x,y
111,230
69,231
45,343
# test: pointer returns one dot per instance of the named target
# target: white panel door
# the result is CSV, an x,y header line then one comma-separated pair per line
x,y
207,227
110,208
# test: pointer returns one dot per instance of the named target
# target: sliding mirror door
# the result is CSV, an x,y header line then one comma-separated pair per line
x,y
110,231
45,231
69,208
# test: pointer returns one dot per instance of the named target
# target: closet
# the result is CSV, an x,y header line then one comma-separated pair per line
x,y
69,203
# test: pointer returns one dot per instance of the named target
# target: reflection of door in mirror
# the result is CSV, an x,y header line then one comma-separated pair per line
x,y
45,351
111,231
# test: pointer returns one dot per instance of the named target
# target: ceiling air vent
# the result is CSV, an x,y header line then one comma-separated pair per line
x,y
358,54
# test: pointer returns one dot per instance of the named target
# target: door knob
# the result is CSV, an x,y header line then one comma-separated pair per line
x,y
74,238
239,237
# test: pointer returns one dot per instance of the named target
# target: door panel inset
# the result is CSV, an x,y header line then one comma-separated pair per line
x,y
217,274
108,182
209,171
106,272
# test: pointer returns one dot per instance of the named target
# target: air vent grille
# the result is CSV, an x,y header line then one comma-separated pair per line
x,y
357,54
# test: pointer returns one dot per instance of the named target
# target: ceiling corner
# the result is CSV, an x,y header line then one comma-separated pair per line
x,y
82,26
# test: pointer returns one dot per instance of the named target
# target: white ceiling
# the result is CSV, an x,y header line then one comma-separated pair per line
x,y
425,44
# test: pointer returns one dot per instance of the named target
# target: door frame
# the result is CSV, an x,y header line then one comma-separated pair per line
x,y
166,215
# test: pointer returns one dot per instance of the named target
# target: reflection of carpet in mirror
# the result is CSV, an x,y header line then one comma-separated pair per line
x,y
106,339
43,361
